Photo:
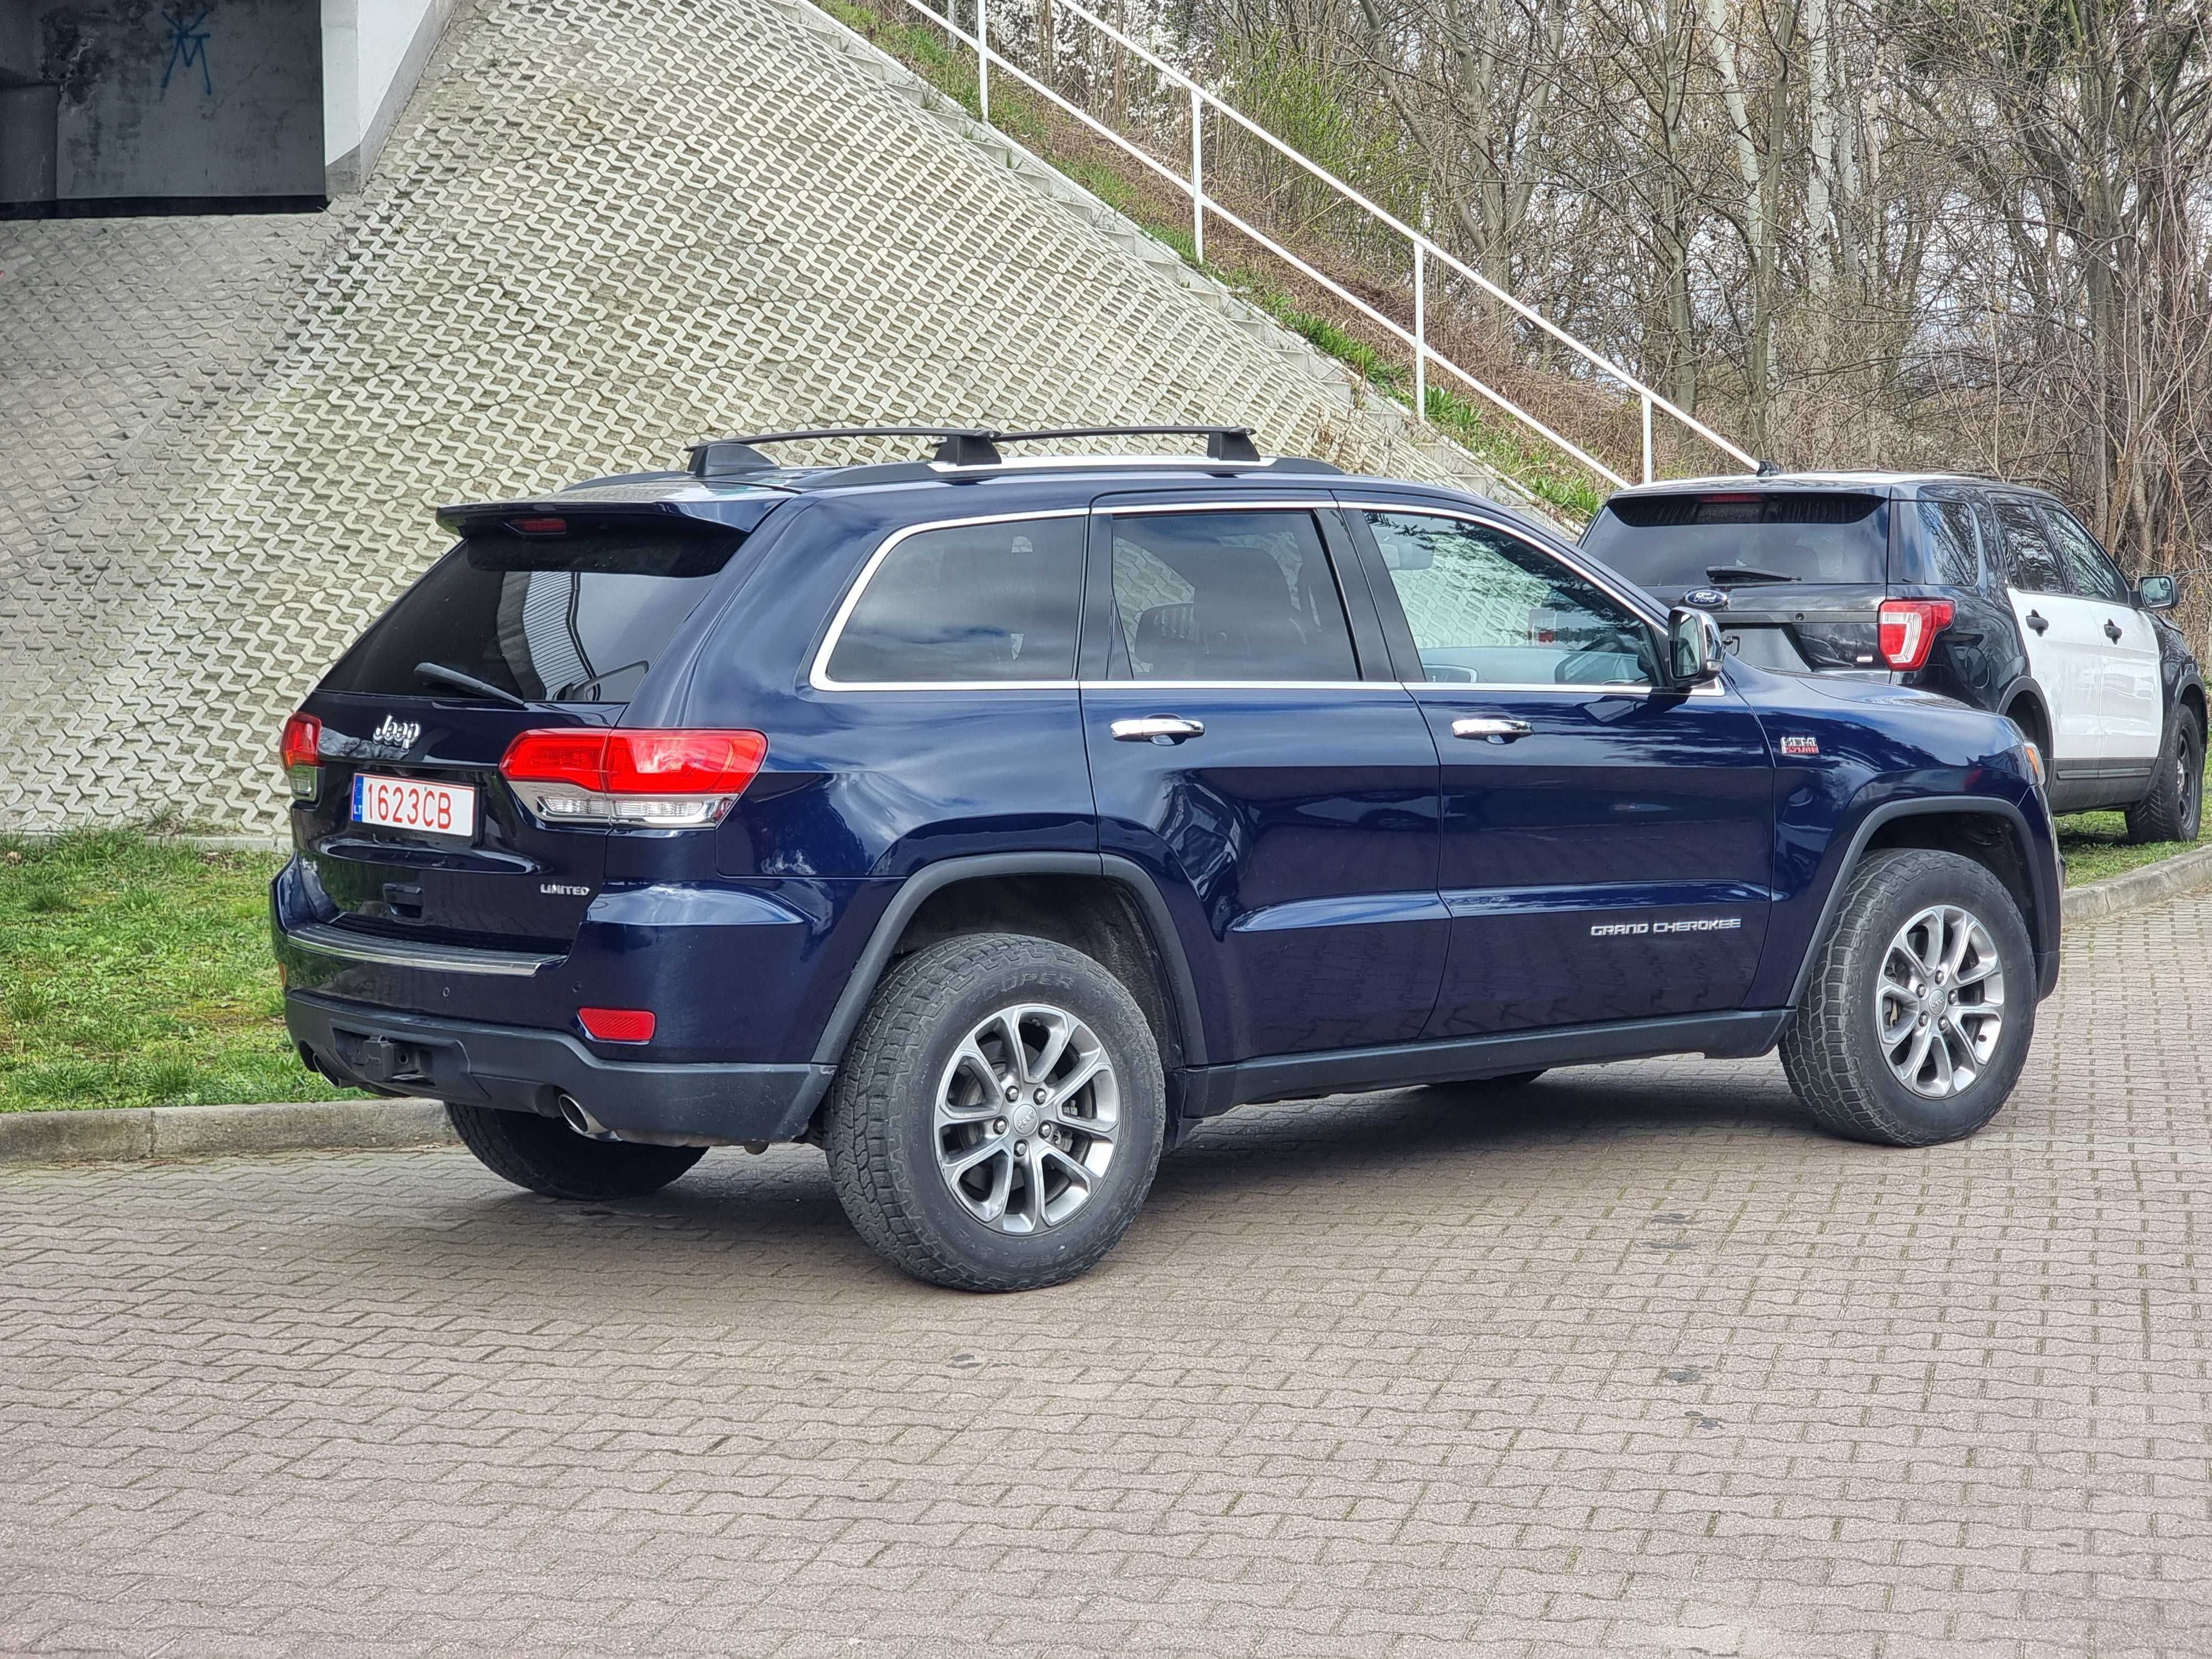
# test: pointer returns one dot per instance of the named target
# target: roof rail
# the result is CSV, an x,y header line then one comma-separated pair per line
x,y
957,446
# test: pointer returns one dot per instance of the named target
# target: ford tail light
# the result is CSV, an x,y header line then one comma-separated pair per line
x,y
1908,629
302,749
645,777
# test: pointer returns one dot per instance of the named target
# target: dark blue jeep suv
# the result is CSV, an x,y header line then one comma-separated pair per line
x,y
988,819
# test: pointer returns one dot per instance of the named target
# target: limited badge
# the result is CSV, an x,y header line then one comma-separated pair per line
x,y
1801,746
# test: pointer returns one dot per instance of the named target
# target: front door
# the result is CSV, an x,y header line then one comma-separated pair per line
x,y
1281,790
1607,846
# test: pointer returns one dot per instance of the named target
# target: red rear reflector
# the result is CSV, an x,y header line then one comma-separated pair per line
x,y
302,741
617,1025
1908,629
539,527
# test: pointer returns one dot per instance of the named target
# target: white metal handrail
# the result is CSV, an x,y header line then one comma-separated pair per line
x,y
1424,249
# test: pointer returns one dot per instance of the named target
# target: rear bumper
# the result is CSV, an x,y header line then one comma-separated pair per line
x,y
519,1068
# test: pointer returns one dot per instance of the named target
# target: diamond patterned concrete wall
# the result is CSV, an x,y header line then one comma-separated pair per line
x,y
603,227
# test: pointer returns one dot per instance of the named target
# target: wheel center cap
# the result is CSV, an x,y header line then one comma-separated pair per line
x,y
1024,1118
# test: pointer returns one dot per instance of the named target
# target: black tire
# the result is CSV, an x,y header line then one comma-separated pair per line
x,y
2174,808
882,1134
1832,1048
546,1156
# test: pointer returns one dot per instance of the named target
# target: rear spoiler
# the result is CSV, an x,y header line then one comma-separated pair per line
x,y
578,513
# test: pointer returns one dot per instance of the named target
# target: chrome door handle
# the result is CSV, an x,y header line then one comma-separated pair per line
x,y
2112,630
1157,728
2035,620
1498,731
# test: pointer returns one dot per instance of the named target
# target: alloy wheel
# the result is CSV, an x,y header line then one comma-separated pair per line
x,y
1939,1001
1027,1111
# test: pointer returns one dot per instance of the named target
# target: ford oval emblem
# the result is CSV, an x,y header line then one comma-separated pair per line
x,y
1706,599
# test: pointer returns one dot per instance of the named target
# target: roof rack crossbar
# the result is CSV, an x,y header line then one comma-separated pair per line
x,y
1222,443
958,445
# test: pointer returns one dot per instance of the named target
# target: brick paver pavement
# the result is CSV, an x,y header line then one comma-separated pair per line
x,y
1635,1362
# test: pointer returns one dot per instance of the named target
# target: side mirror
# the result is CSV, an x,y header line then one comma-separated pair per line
x,y
2157,592
1694,648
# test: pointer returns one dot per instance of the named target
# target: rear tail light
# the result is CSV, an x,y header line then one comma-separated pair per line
x,y
1909,628
301,748
653,778
617,1025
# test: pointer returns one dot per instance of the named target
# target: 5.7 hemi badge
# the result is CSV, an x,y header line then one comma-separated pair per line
x,y
1803,748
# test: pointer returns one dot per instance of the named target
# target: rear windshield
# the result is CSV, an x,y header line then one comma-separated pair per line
x,y
1729,540
572,619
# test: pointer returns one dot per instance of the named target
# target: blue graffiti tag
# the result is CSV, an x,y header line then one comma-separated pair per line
x,y
187,43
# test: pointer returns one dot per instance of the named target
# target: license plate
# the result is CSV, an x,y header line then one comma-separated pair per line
x,y
435,809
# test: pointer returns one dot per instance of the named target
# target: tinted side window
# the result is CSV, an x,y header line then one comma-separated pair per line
x,y
559,618
2095,575
1488,608
1226,596
2034,561
1950,545
970,603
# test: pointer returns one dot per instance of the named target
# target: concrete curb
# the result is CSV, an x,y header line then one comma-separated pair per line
x,y
203,1131
2186,872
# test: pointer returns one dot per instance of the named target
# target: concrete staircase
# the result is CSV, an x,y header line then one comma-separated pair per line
x,y
603,229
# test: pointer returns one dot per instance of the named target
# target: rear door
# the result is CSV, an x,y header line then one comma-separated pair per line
x,y
1608,845
2130,709
2062,633
1269,772
566,623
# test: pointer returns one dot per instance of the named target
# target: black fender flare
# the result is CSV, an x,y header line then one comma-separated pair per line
x,y
2183,684
875,956
2042,926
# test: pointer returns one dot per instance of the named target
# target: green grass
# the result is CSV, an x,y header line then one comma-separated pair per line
x,y
136,971
2096,846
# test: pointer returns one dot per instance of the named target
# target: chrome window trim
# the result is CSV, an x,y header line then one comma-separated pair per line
x,y
817,674
1463,690
1241,685
1261,504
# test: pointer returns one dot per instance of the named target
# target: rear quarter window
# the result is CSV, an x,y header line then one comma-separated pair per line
x,y
967,604
1947,550
560,619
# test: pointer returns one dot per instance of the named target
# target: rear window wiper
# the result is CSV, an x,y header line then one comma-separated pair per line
x,y
1725,573
438,674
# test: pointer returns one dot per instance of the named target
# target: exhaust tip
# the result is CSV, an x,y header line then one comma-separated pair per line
x,y
578,1119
